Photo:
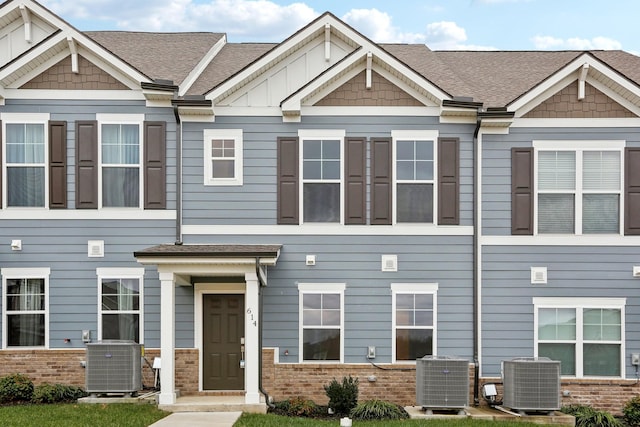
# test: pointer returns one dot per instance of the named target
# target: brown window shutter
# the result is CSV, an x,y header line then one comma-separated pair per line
x,y
57,164
632,191
522,191
355,194
448,181
155,145
288,177
87,164
381,188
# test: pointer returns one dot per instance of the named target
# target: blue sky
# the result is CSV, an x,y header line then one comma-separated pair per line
x,y
441,24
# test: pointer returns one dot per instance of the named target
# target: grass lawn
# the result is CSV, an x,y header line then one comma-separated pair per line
x,y
270,420
84,415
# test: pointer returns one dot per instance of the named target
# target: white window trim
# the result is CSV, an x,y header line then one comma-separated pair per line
x,y
319,288
413,135
122,119
413,288
122,273
578,146
25,273
579,304
328,134
25,118
236,135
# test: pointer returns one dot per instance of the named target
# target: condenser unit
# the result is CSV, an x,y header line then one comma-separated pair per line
x,y
114,367
442,382
531,384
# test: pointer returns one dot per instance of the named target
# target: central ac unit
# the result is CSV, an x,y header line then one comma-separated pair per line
x,y
531,384
114,367
442,382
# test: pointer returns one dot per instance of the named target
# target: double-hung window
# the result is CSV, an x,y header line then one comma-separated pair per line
x,y
321,321
414,320
321,175
584,334
120,306
414,158
121,161
223,157
26,163
25,307
579,187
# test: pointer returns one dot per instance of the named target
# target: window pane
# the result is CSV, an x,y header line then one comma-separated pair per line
x,y
424,150
424,170
601,170
120,144
223,168
602,325
312,301
321,344
330,317
415,203
556,213
405,170
312,169
25,186
404,317
424,301
556,170
312,149
25,143
120,187
404,301
331,301
565,353
123,326
25,330
321,202
602,360
404,150
412,344
312,317
331,149
424,318
600,213
556,324
331,169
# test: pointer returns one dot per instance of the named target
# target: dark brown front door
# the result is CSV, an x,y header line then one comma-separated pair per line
x,y
222,329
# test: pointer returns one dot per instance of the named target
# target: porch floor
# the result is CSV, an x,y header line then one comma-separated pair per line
x,y
213,404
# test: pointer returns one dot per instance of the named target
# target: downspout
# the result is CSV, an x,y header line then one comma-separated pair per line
x,y
176,113
476,284
267,399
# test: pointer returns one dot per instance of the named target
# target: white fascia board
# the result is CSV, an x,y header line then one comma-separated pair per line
x,y
195,73
123,95
565,76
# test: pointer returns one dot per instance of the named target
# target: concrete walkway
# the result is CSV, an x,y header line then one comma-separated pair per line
x,y
198,419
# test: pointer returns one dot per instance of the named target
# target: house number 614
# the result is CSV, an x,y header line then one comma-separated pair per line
x,y
252,320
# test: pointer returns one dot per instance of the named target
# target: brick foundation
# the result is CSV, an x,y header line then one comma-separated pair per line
x,y
395,383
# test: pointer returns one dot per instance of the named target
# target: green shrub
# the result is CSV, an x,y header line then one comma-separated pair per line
x,y
297,407
56,393
631,411
378,410
342,397
586,416
15,388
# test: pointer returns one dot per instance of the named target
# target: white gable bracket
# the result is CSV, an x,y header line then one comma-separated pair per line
x,y
581,81
369,62
327,42
74,54
26,18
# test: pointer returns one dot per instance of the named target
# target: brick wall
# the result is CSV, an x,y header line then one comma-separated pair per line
x,y
565,104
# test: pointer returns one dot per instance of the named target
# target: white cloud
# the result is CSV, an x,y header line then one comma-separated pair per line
x,y
575,43
446,35
378,26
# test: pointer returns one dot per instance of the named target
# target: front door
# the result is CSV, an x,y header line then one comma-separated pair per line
x,y
222,330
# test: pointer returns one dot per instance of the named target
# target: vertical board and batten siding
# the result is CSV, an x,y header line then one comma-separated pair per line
x,y
356,262
61,245
255,202
585,272
496,166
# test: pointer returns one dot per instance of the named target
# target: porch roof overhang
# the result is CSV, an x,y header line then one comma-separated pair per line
x,y
198,253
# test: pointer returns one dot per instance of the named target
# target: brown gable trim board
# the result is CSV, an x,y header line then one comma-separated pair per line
x,y
381,185
356,181
288,180
448,181
632,191
57,164
155,194
87,164
565,104
522,191
60,76
382,93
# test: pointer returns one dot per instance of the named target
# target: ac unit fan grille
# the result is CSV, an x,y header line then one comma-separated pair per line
x,y
531,385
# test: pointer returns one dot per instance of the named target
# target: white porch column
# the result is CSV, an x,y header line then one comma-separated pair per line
x,y
167,339
252,345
